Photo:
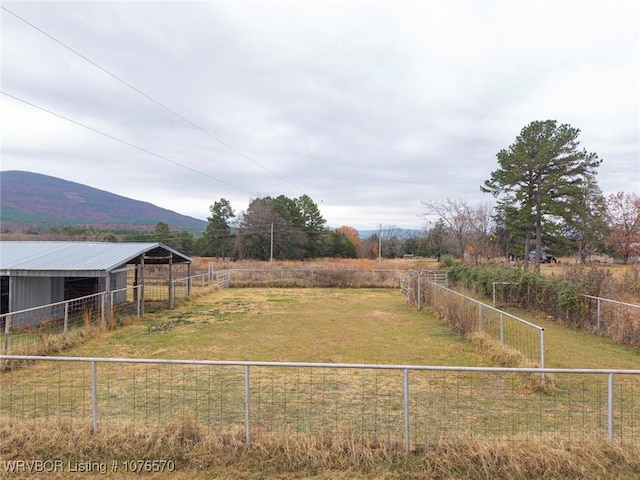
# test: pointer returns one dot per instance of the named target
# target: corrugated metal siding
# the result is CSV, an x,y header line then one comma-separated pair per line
x,y
31,292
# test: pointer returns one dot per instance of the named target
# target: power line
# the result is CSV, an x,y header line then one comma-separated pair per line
x,y
132,87
149,152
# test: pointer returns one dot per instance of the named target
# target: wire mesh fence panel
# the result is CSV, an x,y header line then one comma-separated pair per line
x,y
365,402
618,320
58,390
467,315
414,405
161,393
39,330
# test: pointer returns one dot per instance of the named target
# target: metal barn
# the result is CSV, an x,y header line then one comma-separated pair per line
x,y
33,274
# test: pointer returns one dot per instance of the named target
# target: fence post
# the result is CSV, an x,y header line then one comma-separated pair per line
x,y
103,310
247,405
479,317
494,294
407,439
66,318
501,329
542,349
112,308
610,407
7,328
94,396
598,314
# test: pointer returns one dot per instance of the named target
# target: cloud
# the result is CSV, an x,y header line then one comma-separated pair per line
x,y
369,108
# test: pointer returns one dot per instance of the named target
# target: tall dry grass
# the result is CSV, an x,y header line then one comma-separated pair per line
x,y
199,452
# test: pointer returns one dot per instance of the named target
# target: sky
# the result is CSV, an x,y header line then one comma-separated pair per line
x,y
371,108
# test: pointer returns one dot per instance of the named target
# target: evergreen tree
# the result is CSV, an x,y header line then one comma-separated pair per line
x,y
541,177
218,232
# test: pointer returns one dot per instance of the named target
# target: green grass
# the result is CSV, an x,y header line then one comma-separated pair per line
x,y
292,325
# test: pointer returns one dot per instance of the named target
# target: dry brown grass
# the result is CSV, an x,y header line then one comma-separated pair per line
x,y
201,453
200,264
44,343
511,358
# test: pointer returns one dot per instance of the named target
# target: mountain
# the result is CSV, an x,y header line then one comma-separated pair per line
x,y
34,201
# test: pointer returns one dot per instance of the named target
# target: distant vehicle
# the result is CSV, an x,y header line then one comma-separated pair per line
x,y
544,257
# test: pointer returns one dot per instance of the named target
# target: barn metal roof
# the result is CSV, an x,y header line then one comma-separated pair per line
x,y
22,257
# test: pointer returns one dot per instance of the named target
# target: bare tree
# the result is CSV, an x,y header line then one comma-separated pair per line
x,y
469,226
457,217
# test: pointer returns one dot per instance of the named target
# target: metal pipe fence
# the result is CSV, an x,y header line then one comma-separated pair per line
x,y
303,277
29,331
605,315
466,315
404,405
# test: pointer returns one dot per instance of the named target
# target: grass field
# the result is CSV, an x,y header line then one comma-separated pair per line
x,y
293,325
334,326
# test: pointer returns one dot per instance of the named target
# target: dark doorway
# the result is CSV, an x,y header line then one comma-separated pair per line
x,y
75,287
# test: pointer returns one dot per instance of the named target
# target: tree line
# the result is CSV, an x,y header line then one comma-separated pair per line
x,y
545,198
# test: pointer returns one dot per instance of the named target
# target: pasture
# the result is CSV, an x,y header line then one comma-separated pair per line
x,y
331,326
291,325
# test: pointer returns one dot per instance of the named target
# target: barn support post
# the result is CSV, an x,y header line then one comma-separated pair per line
x,y
171,289
188,279
141,291
136,300
106,302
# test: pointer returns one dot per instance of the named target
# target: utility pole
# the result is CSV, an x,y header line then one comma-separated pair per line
x,y
271,257
380,244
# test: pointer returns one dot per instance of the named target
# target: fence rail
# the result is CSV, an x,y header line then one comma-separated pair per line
x,y
28,331
466,315
406,405
604,314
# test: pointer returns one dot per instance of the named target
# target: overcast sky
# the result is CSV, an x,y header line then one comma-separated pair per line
x,y
370,108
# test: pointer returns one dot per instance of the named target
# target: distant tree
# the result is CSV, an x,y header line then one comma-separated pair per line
x,y
253,239
293,226
313,224
184,242
338,245
369,246
481,242
162,233
456,217
624,217
437,240
218,232
539,178
352,234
